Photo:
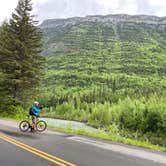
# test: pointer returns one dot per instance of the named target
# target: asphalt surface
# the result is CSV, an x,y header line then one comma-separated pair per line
x,y
54,148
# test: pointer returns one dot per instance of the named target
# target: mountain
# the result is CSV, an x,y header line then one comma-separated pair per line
x,y
154,20
137,28
120,55
109,71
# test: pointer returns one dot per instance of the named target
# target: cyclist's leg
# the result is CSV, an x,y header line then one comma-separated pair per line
x,y
33,122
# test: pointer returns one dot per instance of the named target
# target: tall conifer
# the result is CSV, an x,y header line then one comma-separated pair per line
x,y
20,58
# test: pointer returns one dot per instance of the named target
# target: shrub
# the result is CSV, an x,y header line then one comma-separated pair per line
x,y
100,116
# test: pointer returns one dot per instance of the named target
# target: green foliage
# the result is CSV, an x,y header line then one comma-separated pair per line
x,y
100,116
146,117
143,115
142,118
14,112
21,63
68,110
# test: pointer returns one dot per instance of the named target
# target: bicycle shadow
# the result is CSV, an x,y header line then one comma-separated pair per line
x,y
19,134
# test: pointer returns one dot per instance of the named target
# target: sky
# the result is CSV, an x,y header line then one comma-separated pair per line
x,y
48,9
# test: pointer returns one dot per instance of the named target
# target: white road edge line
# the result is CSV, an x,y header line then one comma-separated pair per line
x,y
123,150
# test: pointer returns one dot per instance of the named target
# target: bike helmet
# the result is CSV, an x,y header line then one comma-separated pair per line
x,y
36,103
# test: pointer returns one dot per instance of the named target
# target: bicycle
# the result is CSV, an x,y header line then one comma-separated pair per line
x,y
25,125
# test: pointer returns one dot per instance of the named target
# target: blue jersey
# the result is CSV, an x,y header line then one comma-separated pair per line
x,y
35,110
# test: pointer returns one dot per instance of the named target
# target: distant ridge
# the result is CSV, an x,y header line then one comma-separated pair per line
x,y
105,18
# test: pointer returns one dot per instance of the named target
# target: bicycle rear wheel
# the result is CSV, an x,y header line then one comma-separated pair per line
x,y
41,125
24,126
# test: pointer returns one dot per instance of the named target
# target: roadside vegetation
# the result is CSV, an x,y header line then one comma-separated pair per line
x,y
141,119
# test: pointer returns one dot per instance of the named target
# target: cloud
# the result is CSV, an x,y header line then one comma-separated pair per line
x,y
151,7
46,9
126,7
71,8
158,7
144,7
6,8
68,8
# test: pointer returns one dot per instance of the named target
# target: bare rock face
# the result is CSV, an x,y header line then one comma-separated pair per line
x,y
53,23
63,35
55,47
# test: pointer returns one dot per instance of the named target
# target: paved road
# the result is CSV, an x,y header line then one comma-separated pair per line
x,y
54,148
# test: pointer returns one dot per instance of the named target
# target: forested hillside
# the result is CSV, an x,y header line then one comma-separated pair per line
x,y
118,54
109,71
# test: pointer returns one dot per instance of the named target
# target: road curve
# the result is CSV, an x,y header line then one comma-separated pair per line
x,y
55,148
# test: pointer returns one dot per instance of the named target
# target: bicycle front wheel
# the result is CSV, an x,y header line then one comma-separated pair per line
x,y
41,125
24,126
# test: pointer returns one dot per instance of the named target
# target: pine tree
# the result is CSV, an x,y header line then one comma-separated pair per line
x,y
20,58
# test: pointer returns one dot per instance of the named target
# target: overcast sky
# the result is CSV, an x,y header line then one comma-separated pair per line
x,y
46,9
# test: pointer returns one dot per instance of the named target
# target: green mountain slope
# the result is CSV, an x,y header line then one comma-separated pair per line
x,y
119,52
109,71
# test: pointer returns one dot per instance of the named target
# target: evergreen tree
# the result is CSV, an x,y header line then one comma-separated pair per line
x,y
20,58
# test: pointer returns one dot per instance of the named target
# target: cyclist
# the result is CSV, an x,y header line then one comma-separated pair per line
x,y
34,112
